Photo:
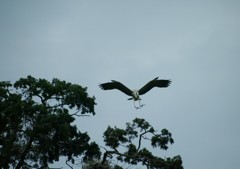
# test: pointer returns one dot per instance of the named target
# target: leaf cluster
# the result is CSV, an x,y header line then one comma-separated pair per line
x,y
36,124
36,128
140,130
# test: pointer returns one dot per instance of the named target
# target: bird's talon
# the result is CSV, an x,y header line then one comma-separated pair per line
x,y
137,107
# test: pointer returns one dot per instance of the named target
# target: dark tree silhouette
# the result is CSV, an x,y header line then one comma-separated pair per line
x,y
36,128
134,154
36,123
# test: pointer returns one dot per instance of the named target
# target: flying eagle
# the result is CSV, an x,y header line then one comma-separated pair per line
x,y
135,93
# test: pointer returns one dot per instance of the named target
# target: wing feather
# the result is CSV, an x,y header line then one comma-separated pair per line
x,y
154,83
116,85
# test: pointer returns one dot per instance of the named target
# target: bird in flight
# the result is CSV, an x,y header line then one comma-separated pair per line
x,y
135,94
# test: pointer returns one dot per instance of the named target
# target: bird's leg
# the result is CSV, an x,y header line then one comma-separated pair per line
x,y
140,105
135,105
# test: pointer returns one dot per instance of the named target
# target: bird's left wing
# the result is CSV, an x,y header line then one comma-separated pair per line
x,y
154,83
116,85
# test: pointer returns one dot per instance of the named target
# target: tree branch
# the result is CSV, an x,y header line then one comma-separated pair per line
x,y
22,158
68,164
140,139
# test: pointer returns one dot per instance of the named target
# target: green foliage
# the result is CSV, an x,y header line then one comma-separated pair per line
x,y
134,154
114,136
61,92
96,164
36,124
161,140
36,128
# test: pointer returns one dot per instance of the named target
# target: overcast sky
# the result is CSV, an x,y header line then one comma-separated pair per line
x,y
196,44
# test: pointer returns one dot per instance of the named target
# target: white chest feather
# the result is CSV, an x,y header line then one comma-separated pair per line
x,y
135,95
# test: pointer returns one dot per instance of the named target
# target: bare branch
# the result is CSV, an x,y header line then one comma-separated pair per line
x,y
68,164
140,139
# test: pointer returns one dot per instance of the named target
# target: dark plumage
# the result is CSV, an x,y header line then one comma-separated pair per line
x,y
153,83
116,85
135,93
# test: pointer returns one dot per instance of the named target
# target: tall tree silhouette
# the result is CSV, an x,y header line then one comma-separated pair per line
x,y
135,132
36,123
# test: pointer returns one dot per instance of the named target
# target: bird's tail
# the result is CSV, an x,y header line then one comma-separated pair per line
x,y
131,98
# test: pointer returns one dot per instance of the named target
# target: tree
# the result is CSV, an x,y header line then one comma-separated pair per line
x,y
96,164
36,128
36,123
139,130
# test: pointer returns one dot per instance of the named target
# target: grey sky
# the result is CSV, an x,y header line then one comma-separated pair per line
x,y
196,44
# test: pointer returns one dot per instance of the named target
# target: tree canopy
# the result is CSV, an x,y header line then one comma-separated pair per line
x,y
36,128
131,139
36,122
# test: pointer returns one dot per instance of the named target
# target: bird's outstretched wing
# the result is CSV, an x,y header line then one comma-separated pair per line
x,y
116,85
154,83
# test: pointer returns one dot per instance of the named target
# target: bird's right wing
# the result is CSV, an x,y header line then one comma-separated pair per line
x,y
116,85
154,83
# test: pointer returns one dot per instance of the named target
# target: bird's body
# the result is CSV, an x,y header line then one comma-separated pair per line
x,y
135,94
